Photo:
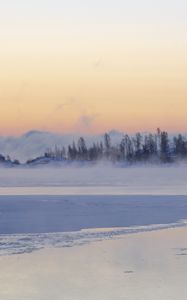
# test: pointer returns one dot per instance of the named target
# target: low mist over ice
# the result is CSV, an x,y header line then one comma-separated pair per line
x,y
101,179
34,143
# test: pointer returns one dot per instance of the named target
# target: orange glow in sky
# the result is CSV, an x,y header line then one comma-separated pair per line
x,y
93,67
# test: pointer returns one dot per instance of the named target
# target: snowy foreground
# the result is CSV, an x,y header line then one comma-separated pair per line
x,y
144,266
92,234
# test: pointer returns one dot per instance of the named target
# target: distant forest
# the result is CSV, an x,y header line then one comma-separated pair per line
x,y
140,148
150,147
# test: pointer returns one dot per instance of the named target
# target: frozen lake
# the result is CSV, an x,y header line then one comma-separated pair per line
x,y
49,204
28,223
100,180
100,233
48,214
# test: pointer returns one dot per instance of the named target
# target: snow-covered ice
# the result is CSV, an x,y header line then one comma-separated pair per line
x,y
100,233
43,202
102,179
143,266
28,223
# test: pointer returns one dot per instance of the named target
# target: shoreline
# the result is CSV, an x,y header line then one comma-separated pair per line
x,y
14,244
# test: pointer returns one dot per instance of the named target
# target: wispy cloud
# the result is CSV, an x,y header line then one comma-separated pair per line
x,y
86,121
69,102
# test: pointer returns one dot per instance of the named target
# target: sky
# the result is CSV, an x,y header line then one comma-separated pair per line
x,y
93,65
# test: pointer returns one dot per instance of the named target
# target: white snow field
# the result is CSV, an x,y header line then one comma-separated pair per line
x,y
144,266
96,233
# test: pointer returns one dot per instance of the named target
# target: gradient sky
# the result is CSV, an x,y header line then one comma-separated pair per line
x,y
93,65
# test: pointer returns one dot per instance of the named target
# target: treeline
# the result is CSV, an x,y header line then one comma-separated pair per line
x,y
156,147
7,161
